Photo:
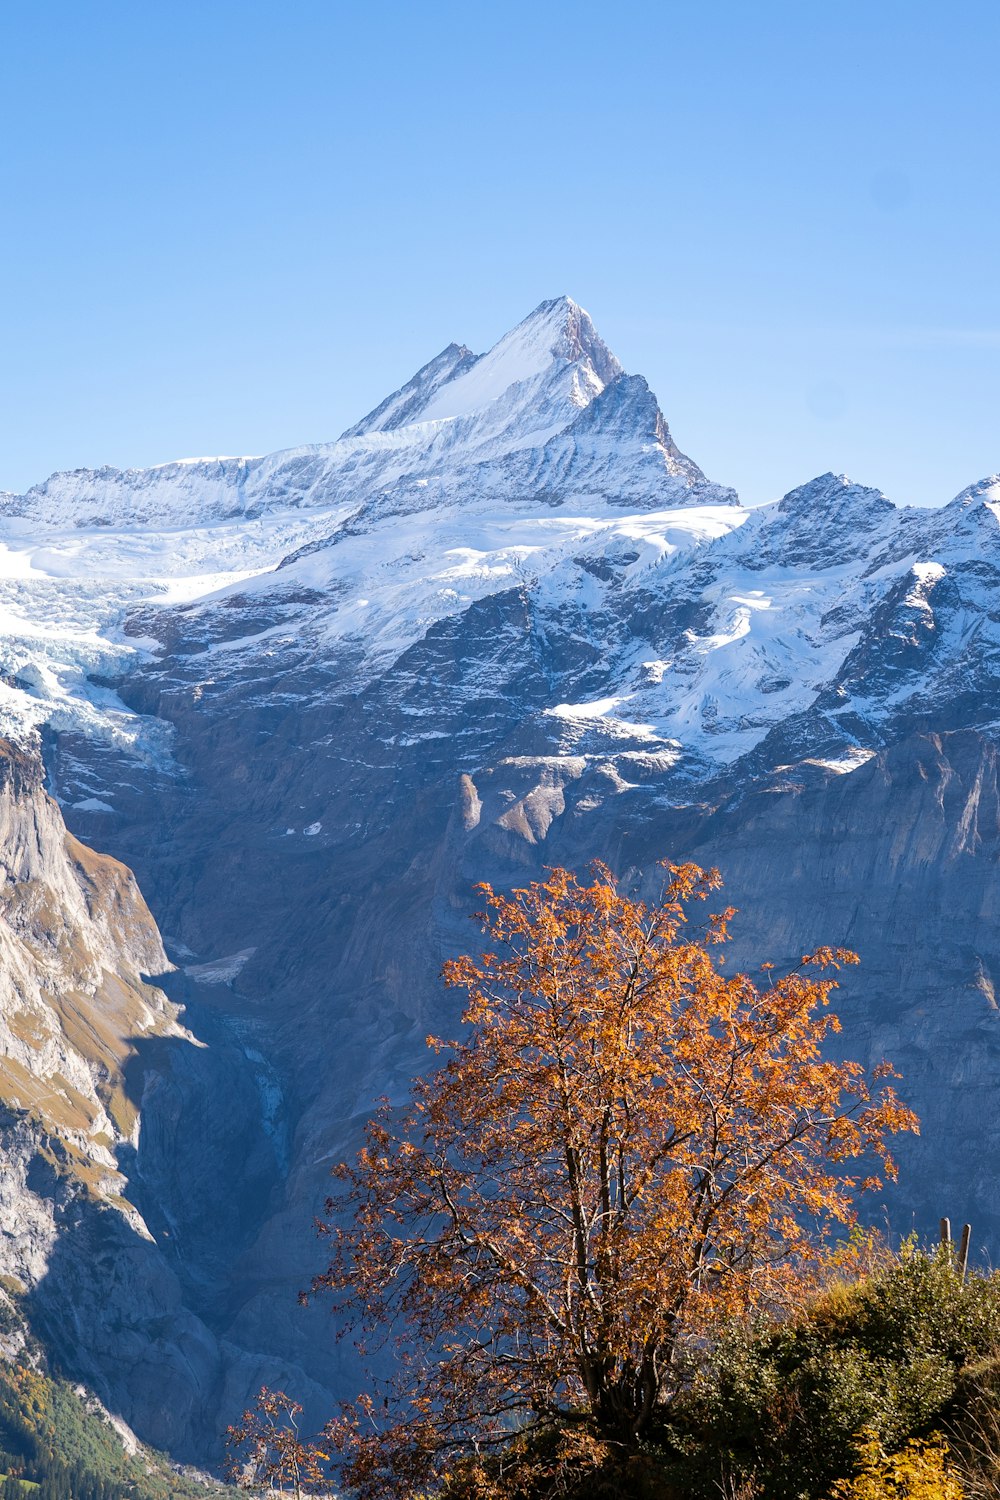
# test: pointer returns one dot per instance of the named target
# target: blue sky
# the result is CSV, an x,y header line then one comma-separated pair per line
x,y
231,227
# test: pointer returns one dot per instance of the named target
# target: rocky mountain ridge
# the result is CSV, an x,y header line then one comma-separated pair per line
x,y
311,699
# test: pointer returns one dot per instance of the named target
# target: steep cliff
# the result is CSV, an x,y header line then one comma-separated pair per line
x,y
99,1145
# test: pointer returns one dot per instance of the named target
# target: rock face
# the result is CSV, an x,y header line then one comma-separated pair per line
x,y
76,943
312,699
93,1179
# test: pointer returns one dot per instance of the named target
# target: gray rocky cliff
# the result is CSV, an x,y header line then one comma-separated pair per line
x,y
109,1105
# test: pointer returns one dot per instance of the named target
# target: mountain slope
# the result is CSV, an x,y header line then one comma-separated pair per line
x,y
311,699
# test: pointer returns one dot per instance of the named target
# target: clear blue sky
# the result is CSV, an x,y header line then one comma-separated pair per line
x,y
230,226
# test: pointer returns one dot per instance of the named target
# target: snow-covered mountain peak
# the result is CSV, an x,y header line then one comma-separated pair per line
x,y
573,335
984,492
546,414
525,449
407,404
555,351
556,344
834,495
823,524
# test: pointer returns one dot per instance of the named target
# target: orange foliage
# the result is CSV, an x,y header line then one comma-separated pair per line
x,y
628,1146
266,1452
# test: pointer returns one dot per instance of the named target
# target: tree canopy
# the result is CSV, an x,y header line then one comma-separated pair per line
x,y
627,1146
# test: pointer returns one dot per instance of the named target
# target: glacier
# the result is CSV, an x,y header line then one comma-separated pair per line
x,y
539,465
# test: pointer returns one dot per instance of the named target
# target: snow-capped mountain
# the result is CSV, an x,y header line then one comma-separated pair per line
x,y
547,408
502,622
453,486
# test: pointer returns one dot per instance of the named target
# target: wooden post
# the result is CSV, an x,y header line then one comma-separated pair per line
x,y
946,1231
963,1252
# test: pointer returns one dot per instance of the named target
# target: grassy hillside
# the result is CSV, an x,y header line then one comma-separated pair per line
x,y
57,1444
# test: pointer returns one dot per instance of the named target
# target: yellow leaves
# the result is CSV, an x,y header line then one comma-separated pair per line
x,y
919,1472
830,958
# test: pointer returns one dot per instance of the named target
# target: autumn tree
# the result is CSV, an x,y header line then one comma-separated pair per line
x,y
267,1452
628,1146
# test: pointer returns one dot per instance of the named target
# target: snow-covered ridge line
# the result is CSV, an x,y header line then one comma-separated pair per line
x,y
457,427
540,466
84,549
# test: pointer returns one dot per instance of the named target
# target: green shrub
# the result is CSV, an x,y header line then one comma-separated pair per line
x,y
783,1408
847,1400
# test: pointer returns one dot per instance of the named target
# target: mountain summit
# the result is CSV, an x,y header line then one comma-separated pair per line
x,y
557,340
503,425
